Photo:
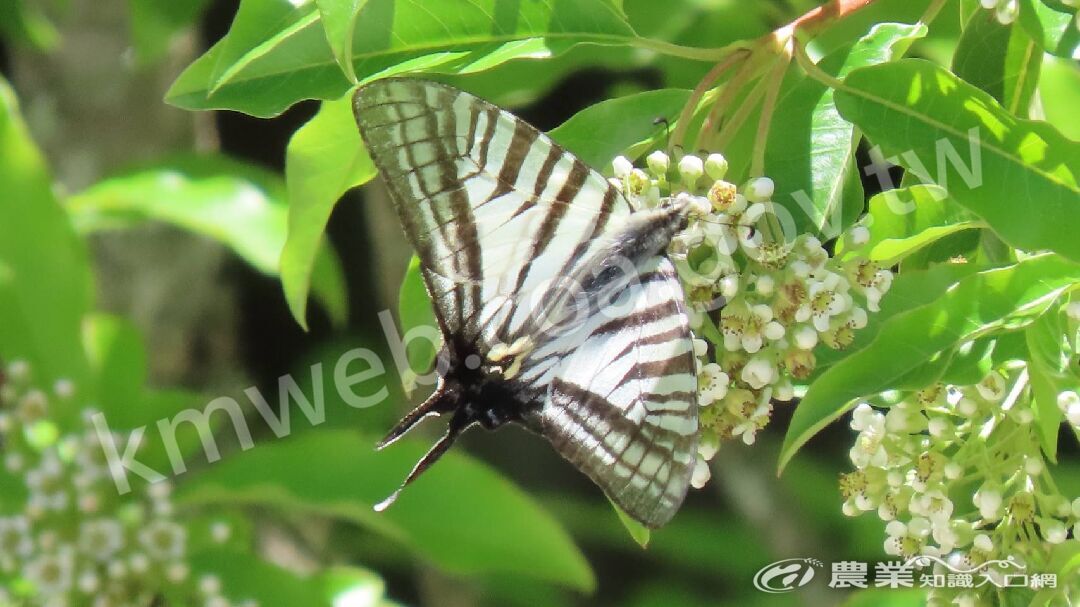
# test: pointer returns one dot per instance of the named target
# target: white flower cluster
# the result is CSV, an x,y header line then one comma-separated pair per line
x,y
759,306
915,460
75,541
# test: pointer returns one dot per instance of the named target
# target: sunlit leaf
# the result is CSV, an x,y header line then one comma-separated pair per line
x,y
1002,60
274,45
810,155
903,221
1051,27
1059,90
600,132
976,305
325,159
1019,176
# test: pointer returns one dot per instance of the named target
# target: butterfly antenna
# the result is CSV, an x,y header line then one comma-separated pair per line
x,y
441,401
457,426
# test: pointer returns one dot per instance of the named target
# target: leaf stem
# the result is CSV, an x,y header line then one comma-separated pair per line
x,y
699,91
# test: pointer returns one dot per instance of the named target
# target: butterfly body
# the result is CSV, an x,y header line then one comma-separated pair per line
x,y
558,310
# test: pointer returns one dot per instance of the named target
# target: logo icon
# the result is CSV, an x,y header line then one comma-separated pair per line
x,y
786,575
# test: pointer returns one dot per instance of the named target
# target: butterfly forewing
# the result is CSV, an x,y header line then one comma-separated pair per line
x,y
499,214
494,208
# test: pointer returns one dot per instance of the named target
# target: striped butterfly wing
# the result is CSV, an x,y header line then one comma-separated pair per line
x,y
494,209
622,396
497,212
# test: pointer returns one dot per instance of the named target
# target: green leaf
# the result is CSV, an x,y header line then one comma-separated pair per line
x,y
460,515
22,22
1019,175
277,59
236,204
905,220
1059,91
975,306
339,22
640,533
154,24
246,577
353,587
811,150
600,132
45,281
415,310
1052,28
1048,371
325,159
1002,60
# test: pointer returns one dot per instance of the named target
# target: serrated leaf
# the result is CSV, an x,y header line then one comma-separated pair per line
x,y
975,306
325,159
1019,176
461,515
246,71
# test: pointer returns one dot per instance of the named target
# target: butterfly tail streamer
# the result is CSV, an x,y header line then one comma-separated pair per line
x,y
458,424
442,400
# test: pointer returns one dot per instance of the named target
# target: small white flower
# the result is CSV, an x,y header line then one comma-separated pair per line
x,y
1033,466
714,384
101,538
805,337
858,236
64,388
708,445
716,166
992,387
953,471
1067,399
177,572
729,285
988,501
759,189
164,540
764,285
622,167
1054,531
1072,310
1007,11
701,474
658,163
759,372
983,542
209,585
690,169
52,573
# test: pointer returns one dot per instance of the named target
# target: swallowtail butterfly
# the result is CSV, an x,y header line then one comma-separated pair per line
x,y
557,307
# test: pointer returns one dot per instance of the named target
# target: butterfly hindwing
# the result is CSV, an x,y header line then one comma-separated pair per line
x,y
622,404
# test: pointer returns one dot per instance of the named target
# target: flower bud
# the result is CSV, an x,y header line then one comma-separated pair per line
x,y
690,169
858,236
622,167
716,166
658,163
759,190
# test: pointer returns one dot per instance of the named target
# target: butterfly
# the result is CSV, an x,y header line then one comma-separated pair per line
x,y
557,306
